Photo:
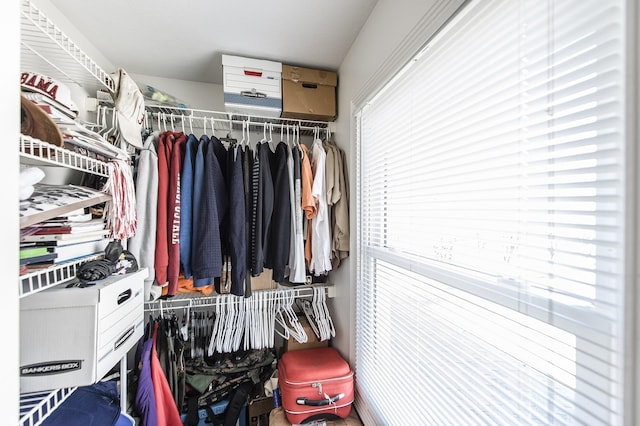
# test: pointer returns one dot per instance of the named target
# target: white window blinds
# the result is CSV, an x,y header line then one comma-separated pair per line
x,y
491,222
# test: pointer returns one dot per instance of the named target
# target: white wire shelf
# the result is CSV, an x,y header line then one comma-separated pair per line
x,y
35,407
47,50
166,117
40,279
198,300
34,151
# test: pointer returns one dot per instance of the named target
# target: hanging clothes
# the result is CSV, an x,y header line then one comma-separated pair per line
x,y
297,272
161,258
145,400
143,244
236,242
321,239
340,214
166,409
262,207
247,167
308,202
186,203
277,256
220,168
206,244
177,141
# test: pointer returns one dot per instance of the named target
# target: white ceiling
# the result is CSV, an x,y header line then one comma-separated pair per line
x,y
186,39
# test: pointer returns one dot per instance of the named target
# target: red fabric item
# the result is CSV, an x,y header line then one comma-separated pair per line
x,y
167,412
161,259
177,141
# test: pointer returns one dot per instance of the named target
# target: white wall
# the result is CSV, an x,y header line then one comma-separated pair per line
x,y
9,161
195,95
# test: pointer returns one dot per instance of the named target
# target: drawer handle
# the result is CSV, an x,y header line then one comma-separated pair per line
x,y
252,94
124,296
124,337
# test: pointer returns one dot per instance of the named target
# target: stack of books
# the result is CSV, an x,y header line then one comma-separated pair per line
x,y
63,239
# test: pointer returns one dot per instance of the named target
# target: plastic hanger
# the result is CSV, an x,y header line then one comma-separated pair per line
x,y
229,321
111,130
239,326
214,337
308,312
164,121
297,332
247,323
184,330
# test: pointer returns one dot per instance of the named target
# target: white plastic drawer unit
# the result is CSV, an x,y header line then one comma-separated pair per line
x,y
252,86
74,336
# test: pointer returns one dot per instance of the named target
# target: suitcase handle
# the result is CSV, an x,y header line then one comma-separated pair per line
x,y
318,402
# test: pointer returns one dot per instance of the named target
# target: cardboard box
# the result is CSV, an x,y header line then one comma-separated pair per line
x,y
252,86
312,340
308,94
264,281
75,336
278,417
259,410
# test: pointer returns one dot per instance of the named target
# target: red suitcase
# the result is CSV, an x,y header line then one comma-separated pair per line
x,y
315,382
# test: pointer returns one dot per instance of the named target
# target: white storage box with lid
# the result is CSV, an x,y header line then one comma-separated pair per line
x,y
252,86
74,336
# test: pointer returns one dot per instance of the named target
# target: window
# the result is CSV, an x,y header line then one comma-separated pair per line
x,y
491,244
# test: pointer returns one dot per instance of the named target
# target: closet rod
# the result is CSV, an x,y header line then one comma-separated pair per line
x,y
186,118
194,301
235,117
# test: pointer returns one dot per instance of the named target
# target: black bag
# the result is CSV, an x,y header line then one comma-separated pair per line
x,y
233,376
229,416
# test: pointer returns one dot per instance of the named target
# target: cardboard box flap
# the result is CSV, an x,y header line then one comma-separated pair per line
x,y
309,76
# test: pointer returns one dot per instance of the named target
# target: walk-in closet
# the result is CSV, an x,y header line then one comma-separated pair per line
x,y
326,213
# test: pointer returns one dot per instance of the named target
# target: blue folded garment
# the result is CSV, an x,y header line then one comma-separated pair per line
x,y
95,405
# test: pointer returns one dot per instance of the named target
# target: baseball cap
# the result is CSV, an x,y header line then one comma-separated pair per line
x,y
35,122
129,106
49,87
